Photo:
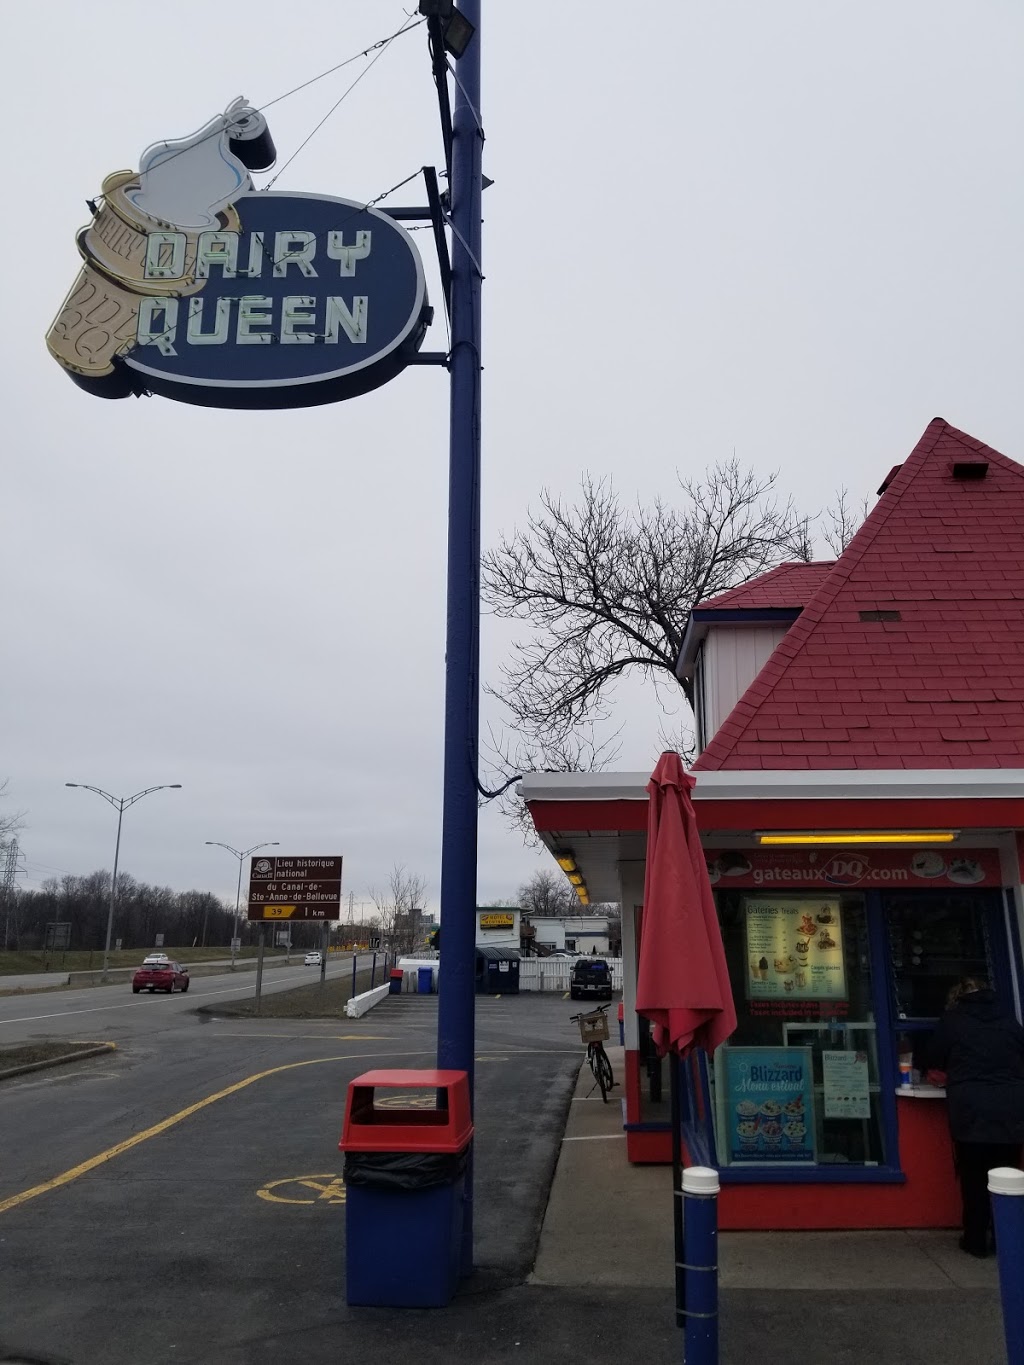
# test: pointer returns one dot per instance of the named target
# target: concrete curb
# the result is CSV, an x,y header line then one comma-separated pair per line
x,y
96,1051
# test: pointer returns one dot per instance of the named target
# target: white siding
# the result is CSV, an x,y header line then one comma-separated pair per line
x,y
586,931
731,658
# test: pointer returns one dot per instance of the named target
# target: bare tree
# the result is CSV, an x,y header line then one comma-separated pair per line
x,y
548,894
395,906
577,752
607,589
842,521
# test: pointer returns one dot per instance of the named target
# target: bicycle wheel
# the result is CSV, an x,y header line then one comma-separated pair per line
x,y
602,1069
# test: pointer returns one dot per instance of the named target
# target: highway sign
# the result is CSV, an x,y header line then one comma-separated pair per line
x,y
295,888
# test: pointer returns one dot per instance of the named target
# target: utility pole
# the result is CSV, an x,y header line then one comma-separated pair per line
x,y
456,998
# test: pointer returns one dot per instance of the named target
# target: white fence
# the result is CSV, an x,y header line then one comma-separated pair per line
x,y
553,973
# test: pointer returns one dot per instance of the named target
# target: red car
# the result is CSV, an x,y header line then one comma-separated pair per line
x,y
160,976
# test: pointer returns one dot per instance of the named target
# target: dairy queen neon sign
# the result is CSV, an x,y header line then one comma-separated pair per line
x,y
200,288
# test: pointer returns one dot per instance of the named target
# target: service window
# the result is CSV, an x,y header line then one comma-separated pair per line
x,y
934,939
798,1083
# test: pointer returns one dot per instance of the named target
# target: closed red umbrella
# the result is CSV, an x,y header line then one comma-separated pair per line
x,y
683,984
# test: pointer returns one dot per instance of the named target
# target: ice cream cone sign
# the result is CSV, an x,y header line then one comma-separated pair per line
x,y
199,287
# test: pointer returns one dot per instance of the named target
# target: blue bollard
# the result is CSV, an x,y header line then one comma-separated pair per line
x,y
700,1239
1006,1186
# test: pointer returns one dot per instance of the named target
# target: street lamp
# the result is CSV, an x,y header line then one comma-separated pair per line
x,y
240,854
120,804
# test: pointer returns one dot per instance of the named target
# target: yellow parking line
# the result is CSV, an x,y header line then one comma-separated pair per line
x,y
66,1177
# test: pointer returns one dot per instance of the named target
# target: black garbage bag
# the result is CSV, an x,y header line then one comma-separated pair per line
x,y
404,1170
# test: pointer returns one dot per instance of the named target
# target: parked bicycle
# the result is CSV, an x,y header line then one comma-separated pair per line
x,y
594,1032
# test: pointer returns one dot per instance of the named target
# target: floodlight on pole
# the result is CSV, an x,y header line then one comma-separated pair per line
x,y
120,804
456,30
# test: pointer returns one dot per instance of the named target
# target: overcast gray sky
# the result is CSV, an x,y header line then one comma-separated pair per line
x,y
789,230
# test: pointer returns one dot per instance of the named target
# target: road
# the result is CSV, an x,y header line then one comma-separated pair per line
x,y
181,1199
112,1013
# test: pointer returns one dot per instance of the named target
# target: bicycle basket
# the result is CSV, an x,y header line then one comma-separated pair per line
x,y
594,1027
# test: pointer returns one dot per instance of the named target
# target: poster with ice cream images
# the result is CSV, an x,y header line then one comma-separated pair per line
x,y
846,1084
794,948
769,1104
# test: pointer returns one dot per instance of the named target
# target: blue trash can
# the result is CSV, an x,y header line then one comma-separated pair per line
x,y
426,980
405,1190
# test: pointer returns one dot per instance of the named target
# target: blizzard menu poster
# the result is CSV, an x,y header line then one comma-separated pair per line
x,y
794,949
769,1094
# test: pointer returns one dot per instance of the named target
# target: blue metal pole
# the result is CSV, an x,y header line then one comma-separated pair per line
x,y
459,828
355,959
700,1218
455,1023
373,971
1006,1187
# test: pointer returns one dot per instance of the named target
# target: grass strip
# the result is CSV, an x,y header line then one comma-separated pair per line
x,y
300,1002
29,1056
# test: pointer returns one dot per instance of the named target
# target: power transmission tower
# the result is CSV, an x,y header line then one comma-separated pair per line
x,y
7,889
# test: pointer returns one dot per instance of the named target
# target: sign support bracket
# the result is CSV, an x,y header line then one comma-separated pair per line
x,y
440,241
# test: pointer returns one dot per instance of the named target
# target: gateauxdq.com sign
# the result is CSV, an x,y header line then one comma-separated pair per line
x,y
197,287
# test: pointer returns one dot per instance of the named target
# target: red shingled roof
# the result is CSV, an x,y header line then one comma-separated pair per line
x,y
790,585
940,687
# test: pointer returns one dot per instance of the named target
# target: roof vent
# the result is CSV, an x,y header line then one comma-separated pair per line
x,y
880,616
889,478
970,469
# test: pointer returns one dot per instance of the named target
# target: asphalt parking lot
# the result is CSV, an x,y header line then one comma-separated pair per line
x,y
182,1200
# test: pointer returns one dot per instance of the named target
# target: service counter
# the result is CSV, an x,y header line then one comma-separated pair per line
x,y
922,1194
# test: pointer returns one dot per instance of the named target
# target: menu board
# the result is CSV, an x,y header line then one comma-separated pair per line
x,y
794,948
769,1104
846,1087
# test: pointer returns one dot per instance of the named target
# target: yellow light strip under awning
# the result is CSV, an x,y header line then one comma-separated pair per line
x,y
860,836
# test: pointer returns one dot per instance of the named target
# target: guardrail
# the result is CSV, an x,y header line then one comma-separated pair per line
x,y
362,1004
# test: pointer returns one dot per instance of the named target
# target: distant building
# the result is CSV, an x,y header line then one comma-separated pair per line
x,y
572,933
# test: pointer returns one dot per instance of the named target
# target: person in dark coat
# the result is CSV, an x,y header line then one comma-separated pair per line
x,y
981,1049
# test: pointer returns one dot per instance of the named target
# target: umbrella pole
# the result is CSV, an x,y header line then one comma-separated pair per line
x,y
677,1188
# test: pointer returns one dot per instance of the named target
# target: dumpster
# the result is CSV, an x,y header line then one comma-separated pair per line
x,y
395,981
405,1187
497,970
426,980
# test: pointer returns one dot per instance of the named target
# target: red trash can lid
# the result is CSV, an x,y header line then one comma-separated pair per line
x,y
445,1126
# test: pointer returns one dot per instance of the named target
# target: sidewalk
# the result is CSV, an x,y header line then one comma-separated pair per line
x,y
847,1296
601,1290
